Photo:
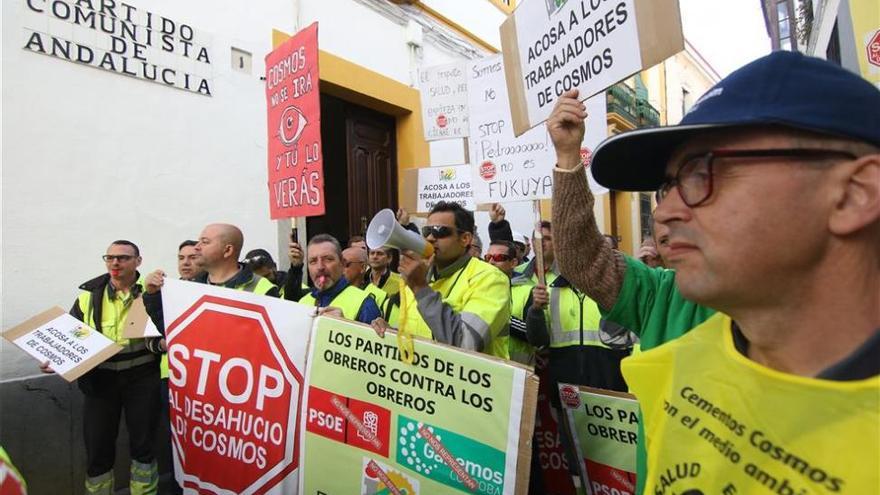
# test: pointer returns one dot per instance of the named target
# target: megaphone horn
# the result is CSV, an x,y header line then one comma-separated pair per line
x,y
385,231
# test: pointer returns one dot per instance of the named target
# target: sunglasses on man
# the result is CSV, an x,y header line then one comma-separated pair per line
x,y
439,231
497,258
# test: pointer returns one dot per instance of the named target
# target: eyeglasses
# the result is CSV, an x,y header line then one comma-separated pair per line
x,y
347,264
497,258
118,257
439,231
694,177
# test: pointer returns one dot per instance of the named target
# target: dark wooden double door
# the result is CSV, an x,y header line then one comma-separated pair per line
x,y
360,167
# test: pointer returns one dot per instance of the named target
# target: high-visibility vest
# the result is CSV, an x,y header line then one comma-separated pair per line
x,y
715,419
519,350
574,318
349,301
378,294
114,312
391,285
480,294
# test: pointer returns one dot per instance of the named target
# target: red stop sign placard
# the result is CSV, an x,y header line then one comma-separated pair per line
x,y
873,49
234,396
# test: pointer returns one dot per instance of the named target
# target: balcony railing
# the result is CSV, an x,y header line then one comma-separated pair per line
x,y
622,101
648,115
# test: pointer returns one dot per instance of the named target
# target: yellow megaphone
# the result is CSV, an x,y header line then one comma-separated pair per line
x,y
385,231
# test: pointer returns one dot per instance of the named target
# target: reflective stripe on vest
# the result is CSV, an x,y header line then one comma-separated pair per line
x,y
350,301
574,319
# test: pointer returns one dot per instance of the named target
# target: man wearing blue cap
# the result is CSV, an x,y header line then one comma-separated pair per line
x,y
769,212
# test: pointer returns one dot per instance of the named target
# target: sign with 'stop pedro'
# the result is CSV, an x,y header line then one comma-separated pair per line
x,y
505,168
296,174
551,46
443,90
448,423
70,347
604,427
235,383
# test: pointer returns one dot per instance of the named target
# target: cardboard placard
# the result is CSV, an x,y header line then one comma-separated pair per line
x,y
453,421
71,347
505,168
138,324
552,46
296,172
443,91
604,427
425,187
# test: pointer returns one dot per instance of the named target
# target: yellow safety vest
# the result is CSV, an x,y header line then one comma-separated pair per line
x,y
114,312
349,301
378,294
391,285
717,422
574,318
479,292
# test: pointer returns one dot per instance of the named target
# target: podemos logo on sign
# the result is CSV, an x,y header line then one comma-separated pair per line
x,y
477,465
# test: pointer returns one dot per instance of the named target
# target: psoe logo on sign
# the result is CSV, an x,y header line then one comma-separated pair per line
x,y
441,121
487,170
234,400
570,396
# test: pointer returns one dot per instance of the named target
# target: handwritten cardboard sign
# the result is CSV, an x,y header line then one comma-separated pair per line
x,y
552,46
70,347
443,91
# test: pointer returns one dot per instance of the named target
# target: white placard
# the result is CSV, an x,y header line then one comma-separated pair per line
x,y
443,91
70,346
583,44
451,183
505,168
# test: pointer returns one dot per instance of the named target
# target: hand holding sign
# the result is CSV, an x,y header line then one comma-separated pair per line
x,y
566,128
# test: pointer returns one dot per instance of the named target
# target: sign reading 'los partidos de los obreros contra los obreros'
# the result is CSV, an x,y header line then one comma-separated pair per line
x,y
550,47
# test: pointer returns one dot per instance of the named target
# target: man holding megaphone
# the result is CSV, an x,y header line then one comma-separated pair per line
x,y
450,296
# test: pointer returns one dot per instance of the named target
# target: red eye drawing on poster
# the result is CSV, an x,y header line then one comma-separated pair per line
x,y
296,172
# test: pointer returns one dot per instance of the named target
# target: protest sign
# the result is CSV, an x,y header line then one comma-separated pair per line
x,y
549,431
70,347
505,168
425,187
451,422
443,90
604,426
296,175
551,46
138,324
235,384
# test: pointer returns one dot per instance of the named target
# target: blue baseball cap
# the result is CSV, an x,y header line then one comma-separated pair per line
x,y
784,88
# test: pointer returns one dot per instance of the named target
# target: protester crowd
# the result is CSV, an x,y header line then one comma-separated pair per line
x,y
762,277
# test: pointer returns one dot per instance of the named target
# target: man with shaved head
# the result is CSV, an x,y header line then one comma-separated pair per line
x,y
218,248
